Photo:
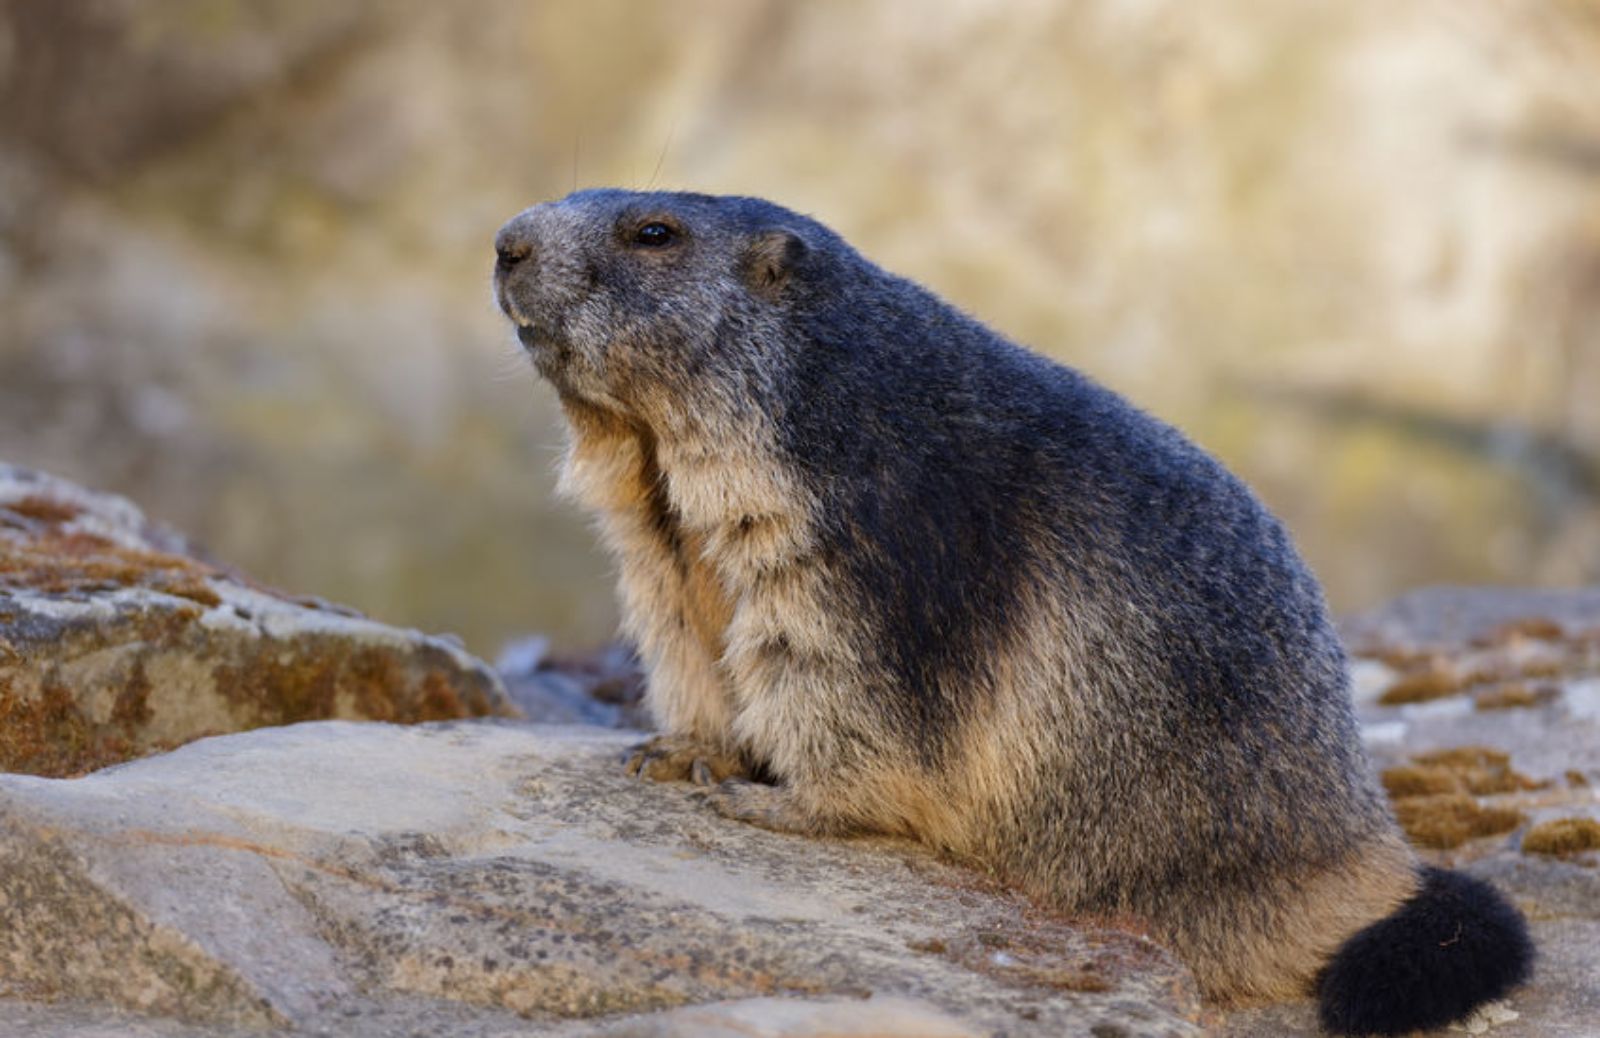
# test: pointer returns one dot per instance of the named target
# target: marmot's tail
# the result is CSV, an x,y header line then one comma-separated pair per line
x,y
1456,944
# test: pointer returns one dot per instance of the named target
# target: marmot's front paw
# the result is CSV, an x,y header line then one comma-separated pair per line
x,y
678,758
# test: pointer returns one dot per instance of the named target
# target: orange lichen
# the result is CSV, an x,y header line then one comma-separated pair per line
x,y
194,590
1562,837
59,560
1435,676
328,677
43,509
1407,781
1026,962
439,700
1544,667
1083,980
267,681
48,735
1397,657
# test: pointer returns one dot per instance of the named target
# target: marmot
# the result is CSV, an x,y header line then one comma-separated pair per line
x,y
917,579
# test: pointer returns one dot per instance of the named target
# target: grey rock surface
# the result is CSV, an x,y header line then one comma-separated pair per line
x,y
490,878
1450,617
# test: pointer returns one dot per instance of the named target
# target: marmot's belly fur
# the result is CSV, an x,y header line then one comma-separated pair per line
x,y
923,581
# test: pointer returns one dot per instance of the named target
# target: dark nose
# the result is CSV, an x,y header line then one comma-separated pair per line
x,y
514,243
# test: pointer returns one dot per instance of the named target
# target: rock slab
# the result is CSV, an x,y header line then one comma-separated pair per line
x,y
117,640
480,877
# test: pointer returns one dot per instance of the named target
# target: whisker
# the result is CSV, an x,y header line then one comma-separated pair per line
x,y
512,363
671,130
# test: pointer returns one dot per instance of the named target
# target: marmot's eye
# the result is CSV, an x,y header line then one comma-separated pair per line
x,y
655,235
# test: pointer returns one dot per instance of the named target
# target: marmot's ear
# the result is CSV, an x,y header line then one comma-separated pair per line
x,y
770,261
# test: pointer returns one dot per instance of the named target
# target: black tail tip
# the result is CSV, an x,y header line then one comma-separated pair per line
x,y
1454,946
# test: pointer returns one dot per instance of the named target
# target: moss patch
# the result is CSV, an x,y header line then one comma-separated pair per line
x,y
1541,628
1436,795
1514,695
1562,837
1433,678
1476,770
1452,819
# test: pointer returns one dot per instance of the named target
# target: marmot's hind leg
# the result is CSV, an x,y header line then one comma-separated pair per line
x,y
769,807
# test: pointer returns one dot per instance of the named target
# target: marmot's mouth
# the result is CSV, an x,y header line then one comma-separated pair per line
x,y
508,304
539,343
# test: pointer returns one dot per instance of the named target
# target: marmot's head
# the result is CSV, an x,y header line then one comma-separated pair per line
x,y
630,300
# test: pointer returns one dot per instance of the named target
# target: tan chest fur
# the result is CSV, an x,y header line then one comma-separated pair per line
x,y
724,594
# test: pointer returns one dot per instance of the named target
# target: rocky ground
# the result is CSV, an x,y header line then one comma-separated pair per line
x,y
500,875
1481,709
469,878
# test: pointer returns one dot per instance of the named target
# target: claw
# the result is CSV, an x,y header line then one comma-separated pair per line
x,y
638,759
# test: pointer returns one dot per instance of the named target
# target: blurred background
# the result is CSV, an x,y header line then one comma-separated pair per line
x,y
1352,247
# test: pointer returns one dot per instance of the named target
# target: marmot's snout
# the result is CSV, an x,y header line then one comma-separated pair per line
x,y
513,247
514,243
